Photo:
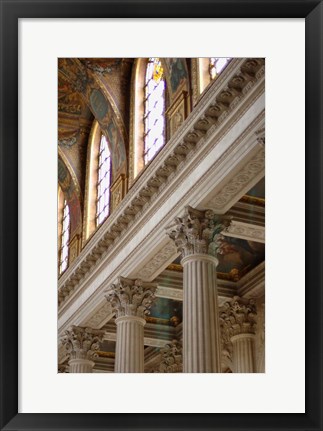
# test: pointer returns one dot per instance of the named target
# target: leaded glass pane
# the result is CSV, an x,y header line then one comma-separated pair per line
x,y
104,178
65,238
217,64
154,109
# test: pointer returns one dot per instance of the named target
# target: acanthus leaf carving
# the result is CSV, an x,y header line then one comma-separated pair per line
x,y
199,231
171,359
130,297
81,342
238,316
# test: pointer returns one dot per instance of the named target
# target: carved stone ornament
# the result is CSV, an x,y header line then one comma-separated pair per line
x,y
199,232
131,297
172,359
82,343
238,316
261,136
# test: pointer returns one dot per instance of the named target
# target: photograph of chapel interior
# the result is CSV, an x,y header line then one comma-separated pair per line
x,y
161,215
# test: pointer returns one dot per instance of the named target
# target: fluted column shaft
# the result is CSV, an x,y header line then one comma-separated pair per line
x,y
201,335
80,366
238,321
243,353
198,236
130,344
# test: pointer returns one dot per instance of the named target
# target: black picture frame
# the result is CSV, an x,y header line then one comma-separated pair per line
x,y
11,11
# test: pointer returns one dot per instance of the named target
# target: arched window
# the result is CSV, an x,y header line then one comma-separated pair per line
x,y
98,181
208,69
104,182
64,237
216,65
154,113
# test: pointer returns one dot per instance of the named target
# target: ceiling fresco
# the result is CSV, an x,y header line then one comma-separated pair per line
x,y
99,88
258,191
166,312
88,78
239,257
256,195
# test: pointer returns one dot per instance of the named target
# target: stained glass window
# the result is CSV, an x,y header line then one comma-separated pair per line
x,y
104,180
154,117
65,236
216,65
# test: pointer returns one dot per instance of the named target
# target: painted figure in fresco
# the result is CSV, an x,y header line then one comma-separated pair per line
x,y
98,104
117,153
239,254
177,72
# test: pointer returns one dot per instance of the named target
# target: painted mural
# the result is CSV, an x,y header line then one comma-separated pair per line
x,y
69,101
99,105
102,65
258,191
82,80
177,72
241,255
166,311
118,151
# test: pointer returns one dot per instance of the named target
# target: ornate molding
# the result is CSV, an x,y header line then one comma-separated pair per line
x,y
237,316
245,231
163,169
103,315
82,343
198,232
131,297
159,261
240,182
169,293
261,139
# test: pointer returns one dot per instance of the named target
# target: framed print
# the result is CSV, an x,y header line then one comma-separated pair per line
x,y
156,178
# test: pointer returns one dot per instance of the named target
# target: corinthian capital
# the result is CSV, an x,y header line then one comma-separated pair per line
x,y
82,343
199,231
172,361
238,316
131,297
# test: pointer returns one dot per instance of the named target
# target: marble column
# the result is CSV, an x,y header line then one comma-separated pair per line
x,y
238,323
81,345
198,237
131,299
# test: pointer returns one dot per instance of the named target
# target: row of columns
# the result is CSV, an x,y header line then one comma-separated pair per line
x,y
207,328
